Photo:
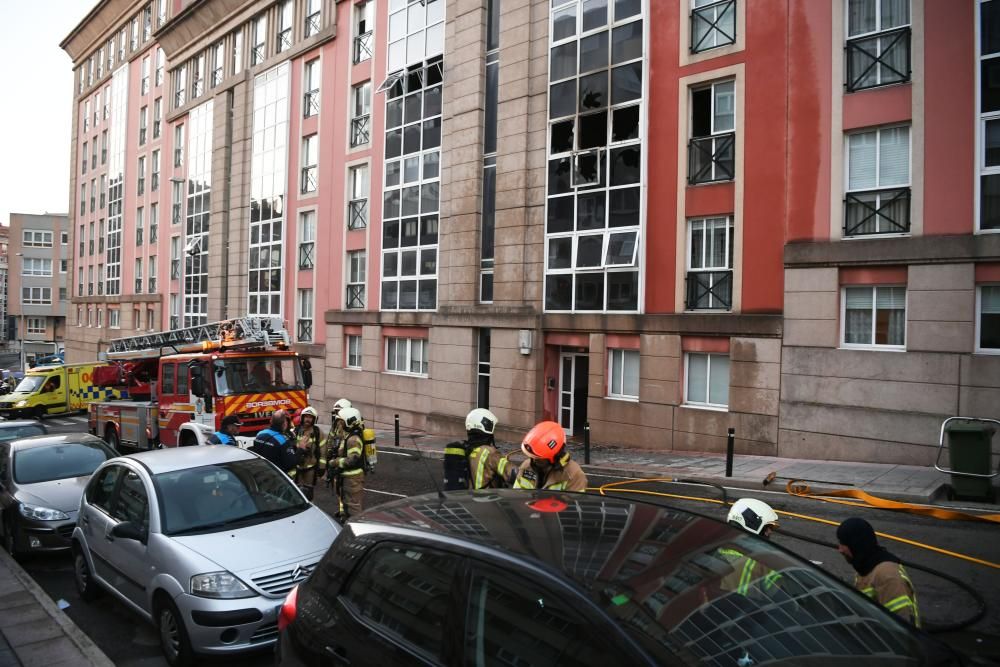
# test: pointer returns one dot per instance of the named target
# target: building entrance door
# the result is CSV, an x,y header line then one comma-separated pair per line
x,y
573,377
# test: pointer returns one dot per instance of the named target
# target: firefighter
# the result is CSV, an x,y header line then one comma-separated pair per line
x,y
757,517
549,465
227,434
881,576
274,444
309,441
347,462
475,462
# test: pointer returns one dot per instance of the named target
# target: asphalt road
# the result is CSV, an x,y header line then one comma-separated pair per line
x,y
128,641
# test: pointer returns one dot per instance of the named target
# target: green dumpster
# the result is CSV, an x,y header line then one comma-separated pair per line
x,y
970,451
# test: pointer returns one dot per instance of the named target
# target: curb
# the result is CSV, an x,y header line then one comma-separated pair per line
x,y
728,482
90,651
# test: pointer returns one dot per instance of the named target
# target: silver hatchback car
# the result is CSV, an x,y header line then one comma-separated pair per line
x,y
204,542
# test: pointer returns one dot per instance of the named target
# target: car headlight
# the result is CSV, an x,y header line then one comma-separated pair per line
x,y
223,585
21,404
41,513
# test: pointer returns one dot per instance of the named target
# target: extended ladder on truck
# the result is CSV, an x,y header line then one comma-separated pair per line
x,y
234,333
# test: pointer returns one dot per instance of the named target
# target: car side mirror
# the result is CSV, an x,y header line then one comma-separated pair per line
x,y
129,531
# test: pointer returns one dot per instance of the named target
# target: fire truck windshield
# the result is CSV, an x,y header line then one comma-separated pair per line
x,y
257,375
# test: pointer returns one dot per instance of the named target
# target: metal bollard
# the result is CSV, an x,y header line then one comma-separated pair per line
x,y
586,443
730,451
397,430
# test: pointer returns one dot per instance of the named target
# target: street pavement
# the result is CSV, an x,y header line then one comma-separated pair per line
x,y
130,642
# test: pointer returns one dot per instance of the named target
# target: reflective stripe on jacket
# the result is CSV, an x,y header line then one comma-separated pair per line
x,y
350,456
569,477
745,572
890,586
489,467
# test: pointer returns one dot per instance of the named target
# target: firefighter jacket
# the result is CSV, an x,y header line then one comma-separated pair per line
x,y
568,476
489,468
348,459
310,442
747,573
333,439
890,586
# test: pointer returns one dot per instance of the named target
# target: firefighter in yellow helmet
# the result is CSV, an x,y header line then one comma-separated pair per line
x,y
880,574
347,463
549,465
309,441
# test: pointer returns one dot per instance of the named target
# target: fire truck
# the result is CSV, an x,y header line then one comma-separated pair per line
x,y
183,382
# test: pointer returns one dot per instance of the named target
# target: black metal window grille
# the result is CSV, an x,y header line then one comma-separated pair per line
x,y
360,130
305,330
285,39
100,287
138,285
307,250
312,24
363,47
877,212
357,214
709,290
175,269
152,233
356,296
712,158
138,235
309,181
878,60
713,25
152,286
311,103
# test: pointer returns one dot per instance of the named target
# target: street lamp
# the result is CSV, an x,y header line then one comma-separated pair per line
x,y
20,307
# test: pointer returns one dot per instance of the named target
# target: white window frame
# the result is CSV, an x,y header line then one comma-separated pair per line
x,y
115,318
100,317
38,267
258,31
878,157
704,405
878,21
36,238
979,319
32,325
411,345
352,350
306,307
872,345
36,296
616,371
981,119
310,162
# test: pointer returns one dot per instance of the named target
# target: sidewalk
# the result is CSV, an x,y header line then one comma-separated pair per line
x,y
915,484
33,630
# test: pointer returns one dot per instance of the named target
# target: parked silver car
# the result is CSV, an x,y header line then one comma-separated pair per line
x,y
41,481
204,542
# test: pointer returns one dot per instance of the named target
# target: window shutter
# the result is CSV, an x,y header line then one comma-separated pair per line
x,y
861,161
894,154
859,298
890,298
989,299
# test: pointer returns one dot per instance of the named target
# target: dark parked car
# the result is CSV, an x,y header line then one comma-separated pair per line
x,y
519,578
21,428
41,482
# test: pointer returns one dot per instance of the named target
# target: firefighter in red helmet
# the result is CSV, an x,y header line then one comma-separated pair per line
x,y
549,465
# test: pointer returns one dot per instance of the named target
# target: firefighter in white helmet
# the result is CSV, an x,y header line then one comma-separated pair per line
x,y
749,575
347,462
309,441
476,463
334,438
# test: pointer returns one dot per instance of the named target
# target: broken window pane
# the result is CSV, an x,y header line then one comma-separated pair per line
x,y
594,91
559,171
625,165
562,137
588,169
593,131
701,112
625,124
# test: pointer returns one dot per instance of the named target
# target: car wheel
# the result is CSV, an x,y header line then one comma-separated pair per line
x,y
9,538
85,584
39,413
174,641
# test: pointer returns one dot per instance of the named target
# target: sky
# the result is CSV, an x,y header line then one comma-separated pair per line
x,y
36,115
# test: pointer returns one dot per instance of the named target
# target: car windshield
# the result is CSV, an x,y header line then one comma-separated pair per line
x,y
213,497
15,431
61,460
30,383
689,586
256,375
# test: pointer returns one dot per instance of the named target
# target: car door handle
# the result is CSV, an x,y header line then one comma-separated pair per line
x,y
338,652
85,521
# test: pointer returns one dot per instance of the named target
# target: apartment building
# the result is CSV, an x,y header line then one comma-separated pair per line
x,y
38,255
662,219
5,328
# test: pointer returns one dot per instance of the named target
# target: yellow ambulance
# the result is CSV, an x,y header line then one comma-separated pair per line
x,y
54,390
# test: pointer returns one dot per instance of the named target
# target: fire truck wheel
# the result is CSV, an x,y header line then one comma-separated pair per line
x,y
111,437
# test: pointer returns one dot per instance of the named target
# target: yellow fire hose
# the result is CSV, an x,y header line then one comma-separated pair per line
x,y
617,488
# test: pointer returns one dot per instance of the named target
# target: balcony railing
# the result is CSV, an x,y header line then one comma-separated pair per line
x,y
152,286
93,160
363,47
216,76
709,290
178,157
90,289
878,60
306,251
102,200
100,244
91,247
304,330
257,54
877,212
713,25
104,155
312,24
179,99
82,244
153,233
142,136
138,285
175,214
100,287
156,129
285,39
712,159
359,130
175,269
311,103
357,214
154,181
140,186
197,88
138,236
80,290
309,179
356,296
